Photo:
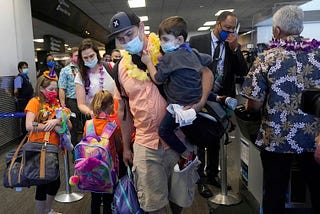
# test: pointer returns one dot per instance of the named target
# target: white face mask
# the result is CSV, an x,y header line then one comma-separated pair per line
x,y
91,63
134,46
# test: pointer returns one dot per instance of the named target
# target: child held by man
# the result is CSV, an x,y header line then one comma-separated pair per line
x,y
180,73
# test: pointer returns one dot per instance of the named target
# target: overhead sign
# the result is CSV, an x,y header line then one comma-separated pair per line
x,y
53,44
66,15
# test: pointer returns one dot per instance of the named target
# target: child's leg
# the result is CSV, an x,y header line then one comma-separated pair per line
x,y
95,203
41,207
49,201
107,201
166,132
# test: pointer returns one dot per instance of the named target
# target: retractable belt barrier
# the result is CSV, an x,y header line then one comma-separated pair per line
x,y
12,115
67,196
225,197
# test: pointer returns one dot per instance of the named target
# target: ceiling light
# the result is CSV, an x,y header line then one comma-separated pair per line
x,y
221,11
87,32
311,5
203,28
147,32
38,49
136,3
66,45
209,23
38,40
144,18
146,27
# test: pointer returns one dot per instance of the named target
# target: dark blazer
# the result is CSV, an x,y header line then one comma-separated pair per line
x,y
234,63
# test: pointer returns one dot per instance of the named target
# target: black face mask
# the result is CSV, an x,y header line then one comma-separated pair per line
x,y
115,60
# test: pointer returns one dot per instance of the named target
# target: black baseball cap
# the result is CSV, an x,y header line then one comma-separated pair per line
x,y
122,21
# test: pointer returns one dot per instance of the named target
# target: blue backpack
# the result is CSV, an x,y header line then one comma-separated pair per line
x,y
125,199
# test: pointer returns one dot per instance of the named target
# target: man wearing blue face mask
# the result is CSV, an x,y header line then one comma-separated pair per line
x,y
23,90
153,160
228,61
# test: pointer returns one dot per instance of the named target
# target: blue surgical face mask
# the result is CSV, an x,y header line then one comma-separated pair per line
x,y
25,71
51,64
91,63
224,35
169,46
134,46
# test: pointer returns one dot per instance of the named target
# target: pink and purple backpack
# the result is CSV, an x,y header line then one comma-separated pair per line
x,y
95,170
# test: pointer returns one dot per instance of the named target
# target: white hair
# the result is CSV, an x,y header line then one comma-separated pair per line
x,y
289,19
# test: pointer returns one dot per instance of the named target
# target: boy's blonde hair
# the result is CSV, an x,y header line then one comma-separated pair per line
x,y
101,101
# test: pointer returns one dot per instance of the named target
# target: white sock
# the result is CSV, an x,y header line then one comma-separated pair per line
x,y
49,203
41,207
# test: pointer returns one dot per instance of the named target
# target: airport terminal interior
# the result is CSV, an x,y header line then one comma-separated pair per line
x,y
34,28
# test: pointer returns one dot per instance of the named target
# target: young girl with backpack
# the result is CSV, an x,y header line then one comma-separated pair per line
x,y
102,107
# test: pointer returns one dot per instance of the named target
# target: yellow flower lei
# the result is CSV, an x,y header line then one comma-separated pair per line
x,y
154,50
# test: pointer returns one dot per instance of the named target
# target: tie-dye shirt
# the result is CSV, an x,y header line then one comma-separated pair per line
x,y
277,78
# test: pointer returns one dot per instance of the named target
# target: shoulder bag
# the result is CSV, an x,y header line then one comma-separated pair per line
x,y
32,164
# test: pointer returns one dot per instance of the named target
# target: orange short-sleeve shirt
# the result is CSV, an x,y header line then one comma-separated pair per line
x,y
34,106
147,107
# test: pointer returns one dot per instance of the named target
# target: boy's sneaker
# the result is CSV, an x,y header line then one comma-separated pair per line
x,y
230,102
184,162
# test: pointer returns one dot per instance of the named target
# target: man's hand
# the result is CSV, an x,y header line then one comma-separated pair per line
x,y
232,41
127,156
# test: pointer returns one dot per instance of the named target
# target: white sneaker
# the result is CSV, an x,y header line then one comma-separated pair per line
x,y
231,103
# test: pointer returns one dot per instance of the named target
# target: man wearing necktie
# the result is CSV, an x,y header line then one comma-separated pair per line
x,y
228,62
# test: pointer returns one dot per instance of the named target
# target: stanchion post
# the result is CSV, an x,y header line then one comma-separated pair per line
x,y
205,161
225,197
223,161
67,196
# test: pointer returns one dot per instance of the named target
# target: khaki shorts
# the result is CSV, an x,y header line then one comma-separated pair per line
x,y
152,171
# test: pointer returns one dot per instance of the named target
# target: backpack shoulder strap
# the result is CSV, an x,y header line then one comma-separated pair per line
x,y
109,129
116,80
109,70
90,128
110,65
22,77
121,90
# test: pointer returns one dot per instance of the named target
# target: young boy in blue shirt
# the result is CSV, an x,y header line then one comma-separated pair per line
x,y
180,73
